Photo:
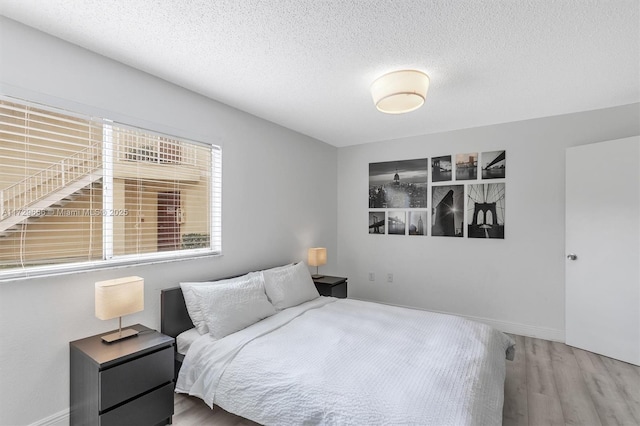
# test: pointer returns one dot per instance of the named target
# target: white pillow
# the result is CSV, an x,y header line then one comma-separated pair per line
x,y
191,300
289,286
234,305
277,268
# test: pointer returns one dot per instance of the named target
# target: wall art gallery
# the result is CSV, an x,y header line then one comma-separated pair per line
x,y
462,196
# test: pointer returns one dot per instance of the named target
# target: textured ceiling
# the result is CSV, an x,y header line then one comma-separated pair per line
x,y
308,64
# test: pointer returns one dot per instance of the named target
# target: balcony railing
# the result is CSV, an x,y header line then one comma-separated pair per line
x,y
155,150
51,179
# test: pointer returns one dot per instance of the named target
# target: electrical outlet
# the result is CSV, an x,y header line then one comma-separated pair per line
x,y
389,278
372,276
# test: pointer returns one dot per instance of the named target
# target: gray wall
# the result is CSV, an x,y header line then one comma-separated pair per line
x,y
278,199
515,284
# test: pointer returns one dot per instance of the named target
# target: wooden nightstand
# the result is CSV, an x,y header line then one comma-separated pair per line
x,y
129,382
331,286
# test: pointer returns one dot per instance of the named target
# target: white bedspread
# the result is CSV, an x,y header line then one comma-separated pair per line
x,y
348,362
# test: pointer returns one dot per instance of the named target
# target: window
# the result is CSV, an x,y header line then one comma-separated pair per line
x,y
81,192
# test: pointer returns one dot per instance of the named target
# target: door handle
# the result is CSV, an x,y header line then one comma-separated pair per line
x,y
572,256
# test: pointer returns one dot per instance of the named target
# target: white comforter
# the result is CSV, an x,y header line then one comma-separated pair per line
x,y
349,362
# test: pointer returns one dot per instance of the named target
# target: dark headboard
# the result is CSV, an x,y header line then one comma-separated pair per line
x,y
174,317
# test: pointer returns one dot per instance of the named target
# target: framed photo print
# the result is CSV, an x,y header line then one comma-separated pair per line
x,y
398,184
485,210
441,169
447,217
377,222
397,222
417,222
467,166
494,164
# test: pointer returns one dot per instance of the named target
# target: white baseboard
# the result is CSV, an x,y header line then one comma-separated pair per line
x,y
504,326
521,329
57,419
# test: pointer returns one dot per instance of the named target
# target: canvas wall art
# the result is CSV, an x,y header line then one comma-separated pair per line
x,y
399,203
485,210
417,222
494,164
398,184
447,216
377,223
441,168
397,222
467,166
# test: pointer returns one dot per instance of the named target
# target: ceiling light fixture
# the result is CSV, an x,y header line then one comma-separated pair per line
x,y
400,91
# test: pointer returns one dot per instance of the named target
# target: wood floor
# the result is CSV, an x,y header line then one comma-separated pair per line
x,y
192,411
548,383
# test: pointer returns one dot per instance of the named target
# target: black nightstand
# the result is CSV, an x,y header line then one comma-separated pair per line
x,y
331,286
129,382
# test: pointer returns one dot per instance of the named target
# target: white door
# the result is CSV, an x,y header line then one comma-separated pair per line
x,y
603,232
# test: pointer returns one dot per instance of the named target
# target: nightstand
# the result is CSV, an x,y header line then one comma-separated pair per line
x,y
129,382
331,286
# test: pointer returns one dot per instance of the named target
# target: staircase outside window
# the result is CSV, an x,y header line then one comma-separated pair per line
x,y
79,189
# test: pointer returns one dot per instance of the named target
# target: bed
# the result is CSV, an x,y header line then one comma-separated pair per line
x,y
342,361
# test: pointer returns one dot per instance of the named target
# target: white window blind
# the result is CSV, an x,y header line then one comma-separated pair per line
x,y
80,192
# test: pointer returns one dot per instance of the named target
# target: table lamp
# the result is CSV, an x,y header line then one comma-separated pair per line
x,y
116,298
315,257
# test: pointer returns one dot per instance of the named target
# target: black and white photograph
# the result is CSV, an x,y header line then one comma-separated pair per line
x,y
398,184
441,168
377,222
494,164
447,215
397,222
417,222
467,166
485,210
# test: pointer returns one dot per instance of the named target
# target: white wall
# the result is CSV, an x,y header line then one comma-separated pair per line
x,y
516,284
278,200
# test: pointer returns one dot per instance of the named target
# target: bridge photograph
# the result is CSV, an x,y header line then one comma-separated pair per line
x,y
485,210
494,164
377,223
467,166
441,169
397,222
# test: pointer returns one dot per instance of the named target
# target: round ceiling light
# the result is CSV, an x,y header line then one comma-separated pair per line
x,y
400,91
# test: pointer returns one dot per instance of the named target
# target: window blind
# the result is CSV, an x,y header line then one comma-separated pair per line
x,y
80,191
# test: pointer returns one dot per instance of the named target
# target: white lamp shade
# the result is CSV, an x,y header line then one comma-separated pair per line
x,y
119,297
400,91
317,256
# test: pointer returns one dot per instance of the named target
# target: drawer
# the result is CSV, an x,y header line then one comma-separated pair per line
x,y
339,290
149,409
129,379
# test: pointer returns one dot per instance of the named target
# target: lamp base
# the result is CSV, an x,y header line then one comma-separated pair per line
x,y
120,335
316,276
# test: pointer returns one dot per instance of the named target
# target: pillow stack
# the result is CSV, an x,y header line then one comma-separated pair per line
x,y
226,306
289,285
